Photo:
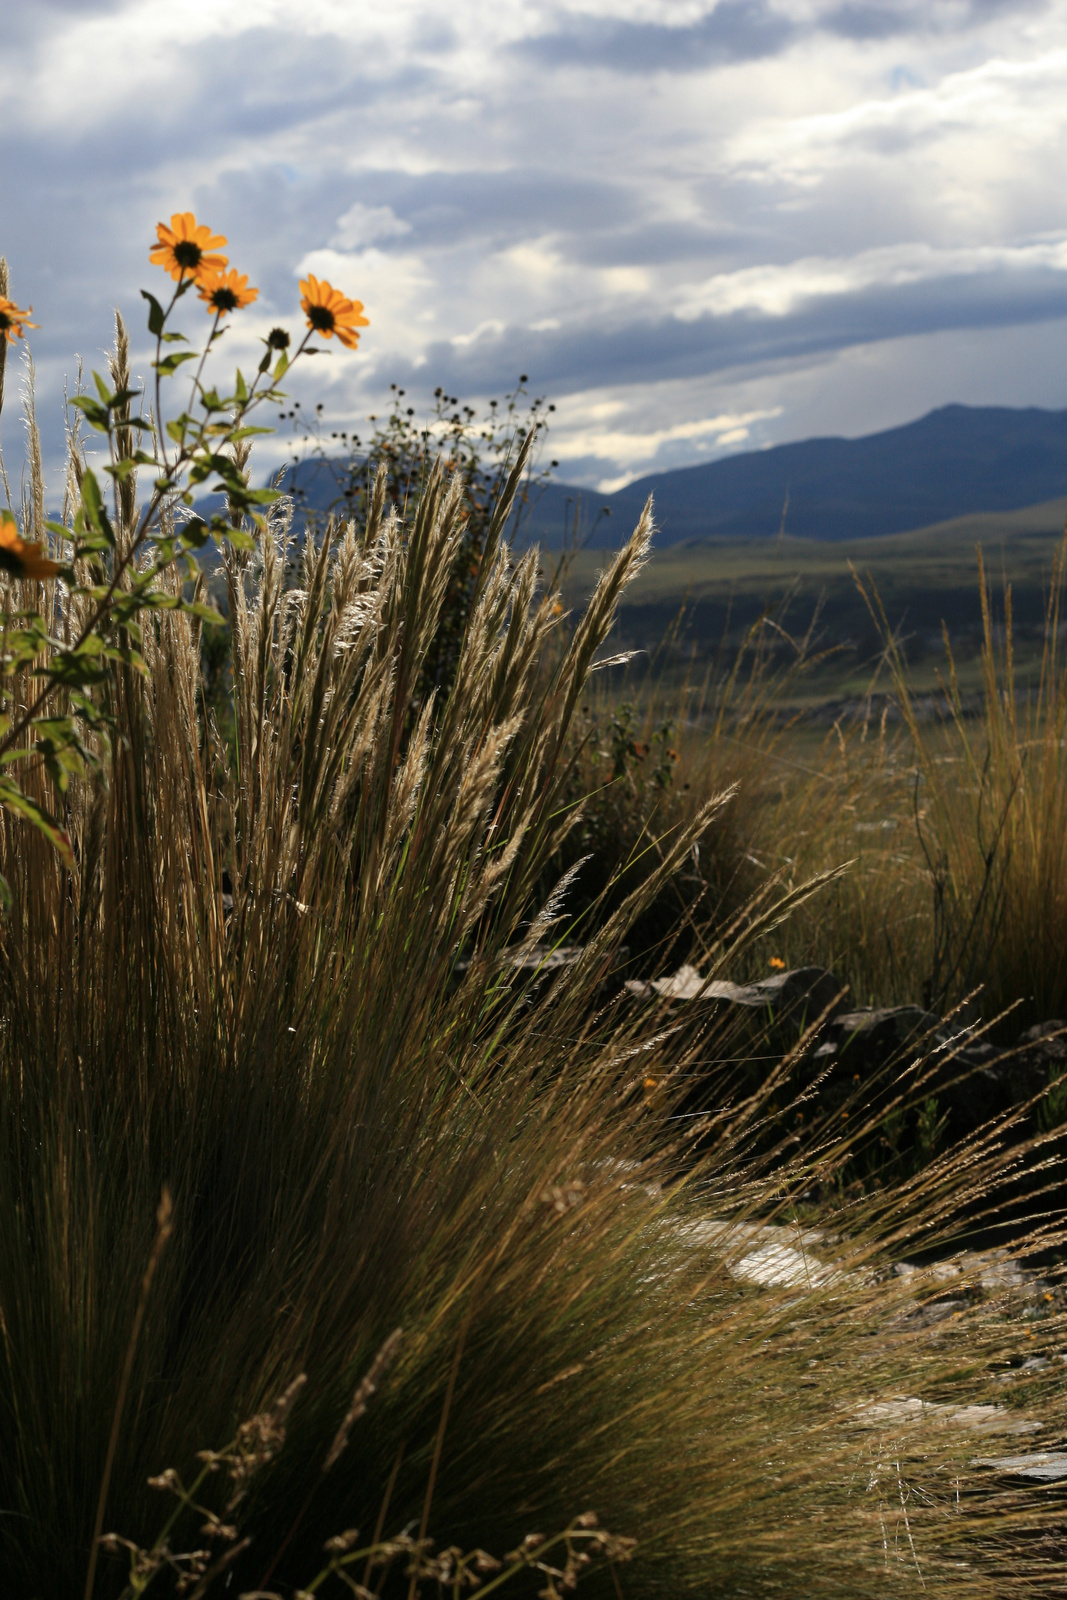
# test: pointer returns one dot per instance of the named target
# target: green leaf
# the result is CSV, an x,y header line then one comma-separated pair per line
x,y
171,338
176,430
200,608
121,469
60,530
246,433
241,390
91,645
91,546
93,507
23,805
96,415
102,389
156,317
195,534
282,367
172,362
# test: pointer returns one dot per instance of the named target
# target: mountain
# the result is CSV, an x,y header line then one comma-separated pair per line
x,y
953,462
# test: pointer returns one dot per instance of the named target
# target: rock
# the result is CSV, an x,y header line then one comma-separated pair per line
x,y
1046,1466
766,1254
1039,1057
805,992
542,957
884,1030
931,1413
971,1080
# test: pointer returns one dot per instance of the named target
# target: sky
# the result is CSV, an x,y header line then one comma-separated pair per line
x,y
698,227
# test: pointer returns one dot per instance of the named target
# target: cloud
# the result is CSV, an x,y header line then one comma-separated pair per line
x,y
575,359
735,30
861,21
624,198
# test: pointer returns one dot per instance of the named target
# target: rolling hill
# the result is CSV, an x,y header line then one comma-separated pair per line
x,y
954,462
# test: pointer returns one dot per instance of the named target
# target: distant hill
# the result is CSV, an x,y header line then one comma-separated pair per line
x,y
957,462
952,463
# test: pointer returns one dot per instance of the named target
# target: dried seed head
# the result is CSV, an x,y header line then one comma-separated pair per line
x,y
260,1439
563,1197
365,1389
218,1530
341,1542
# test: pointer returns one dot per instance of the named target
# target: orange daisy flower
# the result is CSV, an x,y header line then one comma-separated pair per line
x,y
12,320
21,559
183,248
329,313
226,291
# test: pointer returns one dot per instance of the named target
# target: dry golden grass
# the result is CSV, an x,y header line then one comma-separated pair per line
x,y
273,982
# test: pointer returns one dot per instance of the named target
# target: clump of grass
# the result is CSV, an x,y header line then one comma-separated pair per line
x,y
992,816
274,980
949,814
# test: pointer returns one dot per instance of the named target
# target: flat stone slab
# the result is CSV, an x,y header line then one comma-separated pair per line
x,y
929,1413
1047,1466
765,1254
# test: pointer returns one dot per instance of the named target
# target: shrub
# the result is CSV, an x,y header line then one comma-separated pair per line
x,y
480,450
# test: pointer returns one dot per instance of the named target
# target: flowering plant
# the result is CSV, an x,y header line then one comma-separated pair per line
x,y
74,593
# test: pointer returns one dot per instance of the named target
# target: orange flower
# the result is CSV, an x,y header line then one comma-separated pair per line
x,y
22,560
12,320
329,313
226,291
183,248
777,963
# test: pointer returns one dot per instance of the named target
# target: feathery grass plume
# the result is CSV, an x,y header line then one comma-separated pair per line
x,y
5,285
368,1116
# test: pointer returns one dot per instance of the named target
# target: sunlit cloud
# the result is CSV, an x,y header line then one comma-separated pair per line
x,y
698,227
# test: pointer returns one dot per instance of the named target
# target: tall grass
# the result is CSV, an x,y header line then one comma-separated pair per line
x,y
949,811
273,983
993,820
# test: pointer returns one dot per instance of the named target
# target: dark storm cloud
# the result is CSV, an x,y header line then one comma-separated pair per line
x,y
751,30
445,209
23,22
651,350
460,170
737,30
860,21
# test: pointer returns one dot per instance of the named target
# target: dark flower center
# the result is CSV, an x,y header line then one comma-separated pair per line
x,y
6,321
187,254
321,317
224,300
278,339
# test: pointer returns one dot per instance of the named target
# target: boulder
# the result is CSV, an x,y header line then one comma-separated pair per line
x,y
803,993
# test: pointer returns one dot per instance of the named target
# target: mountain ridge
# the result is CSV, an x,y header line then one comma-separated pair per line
x,y
954,462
